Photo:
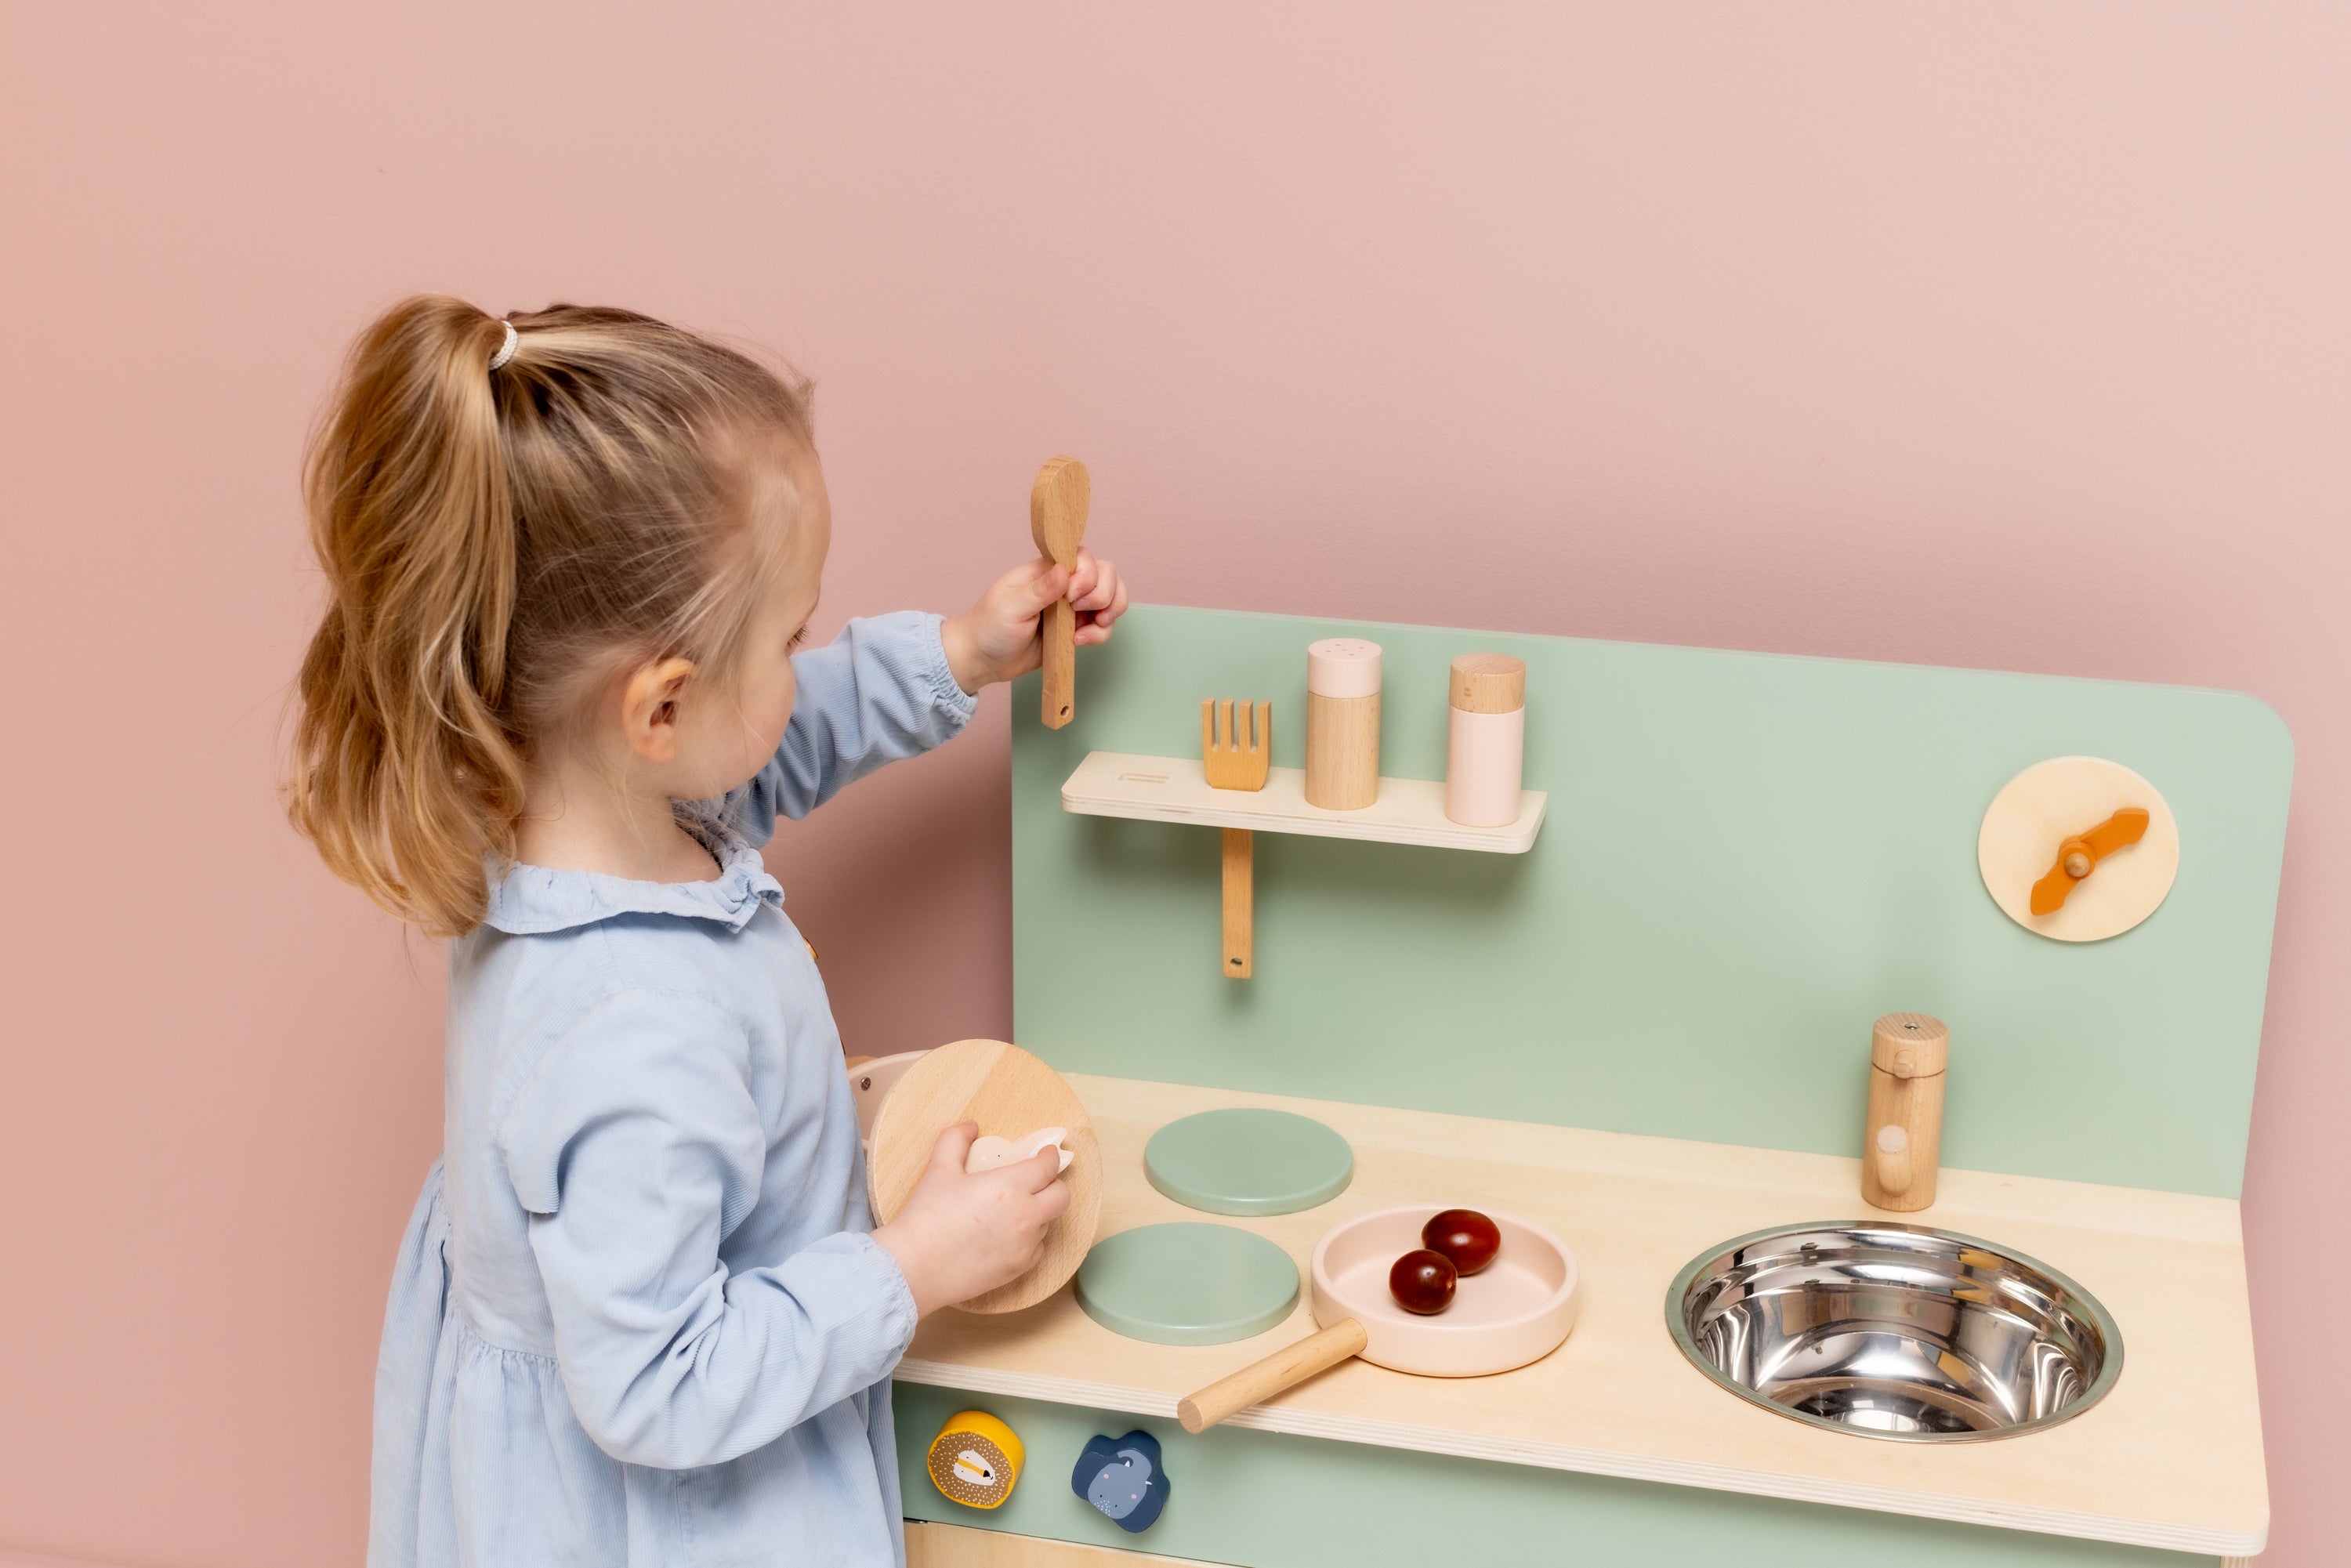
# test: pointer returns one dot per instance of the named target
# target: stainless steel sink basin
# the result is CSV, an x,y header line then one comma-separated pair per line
x,y
1894,1331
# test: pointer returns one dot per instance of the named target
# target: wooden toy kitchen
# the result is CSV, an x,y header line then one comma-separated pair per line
x,y
1846,1070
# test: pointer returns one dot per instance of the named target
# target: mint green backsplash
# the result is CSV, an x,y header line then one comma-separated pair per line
x,y
1264,1500
1748,859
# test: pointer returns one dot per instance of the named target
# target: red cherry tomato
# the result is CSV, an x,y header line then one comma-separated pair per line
x,y
1422,1282
1465,1236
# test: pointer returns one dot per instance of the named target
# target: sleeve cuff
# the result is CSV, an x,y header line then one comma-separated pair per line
x,y
897,1298
951,698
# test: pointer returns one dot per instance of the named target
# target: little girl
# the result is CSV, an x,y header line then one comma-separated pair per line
x,y
642,1314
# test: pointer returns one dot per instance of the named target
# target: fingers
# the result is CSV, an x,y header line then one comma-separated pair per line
x,y
1083,577
1052,1200
1027,573
1100,595
1040,1170
1030,597
954,1147
1095,583
1094,624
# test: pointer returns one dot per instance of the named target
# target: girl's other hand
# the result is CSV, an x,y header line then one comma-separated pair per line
x,y
961,1235
997,638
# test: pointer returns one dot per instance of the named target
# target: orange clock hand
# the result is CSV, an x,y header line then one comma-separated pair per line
x,y
2078,855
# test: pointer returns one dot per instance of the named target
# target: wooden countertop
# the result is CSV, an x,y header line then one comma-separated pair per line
x,y
2171,1457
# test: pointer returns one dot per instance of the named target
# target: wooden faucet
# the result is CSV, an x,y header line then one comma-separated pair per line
x,y
1903,1142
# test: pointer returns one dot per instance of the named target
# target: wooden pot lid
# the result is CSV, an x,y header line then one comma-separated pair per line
x,y
2048,803
1011,1094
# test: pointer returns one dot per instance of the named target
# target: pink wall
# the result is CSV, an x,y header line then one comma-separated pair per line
x,y
2011,335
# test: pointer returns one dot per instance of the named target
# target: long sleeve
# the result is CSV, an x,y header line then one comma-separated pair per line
x,y
636,1145
879,692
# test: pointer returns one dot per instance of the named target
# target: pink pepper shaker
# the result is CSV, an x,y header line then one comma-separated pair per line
x,y
1485,747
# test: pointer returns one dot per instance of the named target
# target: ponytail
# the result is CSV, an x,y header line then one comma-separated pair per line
x,y
487,535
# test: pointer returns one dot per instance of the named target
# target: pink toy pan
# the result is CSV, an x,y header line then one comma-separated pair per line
x,y
871,1079
1516,1310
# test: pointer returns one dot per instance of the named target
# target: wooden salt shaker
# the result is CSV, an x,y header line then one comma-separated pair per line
x,y
1486,746
1342,724
1904,1139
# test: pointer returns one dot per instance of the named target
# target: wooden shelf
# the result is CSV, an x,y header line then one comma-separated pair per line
x,y
1176,789
2171,1458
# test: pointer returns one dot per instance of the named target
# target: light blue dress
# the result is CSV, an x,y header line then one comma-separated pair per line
x,y
638,1317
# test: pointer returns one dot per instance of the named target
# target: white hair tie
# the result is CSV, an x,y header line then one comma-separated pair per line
x,y
507,349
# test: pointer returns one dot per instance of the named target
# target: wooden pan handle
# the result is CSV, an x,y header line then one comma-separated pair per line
x,y
1261,1380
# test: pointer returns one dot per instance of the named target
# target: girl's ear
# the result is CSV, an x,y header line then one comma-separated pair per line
x,y
649,708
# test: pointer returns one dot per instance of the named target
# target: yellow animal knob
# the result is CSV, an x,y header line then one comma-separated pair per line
x,y
975,1459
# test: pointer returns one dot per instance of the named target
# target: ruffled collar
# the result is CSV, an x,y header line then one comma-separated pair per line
x,y
531,900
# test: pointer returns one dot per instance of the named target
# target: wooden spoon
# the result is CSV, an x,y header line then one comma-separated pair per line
x,y
1058,503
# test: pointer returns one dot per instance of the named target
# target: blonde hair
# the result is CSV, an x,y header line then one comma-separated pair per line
x,y
492,541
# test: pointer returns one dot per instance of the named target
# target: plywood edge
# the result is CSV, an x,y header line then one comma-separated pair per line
x,y
1176,789
2244,1542
974,1378
934,1545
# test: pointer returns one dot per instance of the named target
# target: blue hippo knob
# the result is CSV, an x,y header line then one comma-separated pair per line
x,y
1125,1478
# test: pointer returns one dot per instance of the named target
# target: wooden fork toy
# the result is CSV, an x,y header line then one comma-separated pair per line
x,y
1232,763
